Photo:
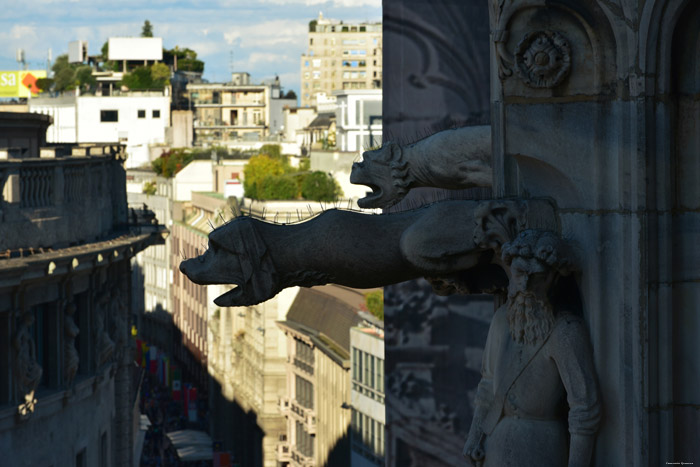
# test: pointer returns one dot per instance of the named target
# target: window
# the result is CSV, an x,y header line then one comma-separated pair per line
x,y
81,459
141,114
109,115
304,392
156,114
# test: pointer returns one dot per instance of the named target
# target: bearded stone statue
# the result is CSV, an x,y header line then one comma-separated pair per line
x,y
537,365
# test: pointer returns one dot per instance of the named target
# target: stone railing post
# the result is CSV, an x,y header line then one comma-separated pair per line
x,y
58,184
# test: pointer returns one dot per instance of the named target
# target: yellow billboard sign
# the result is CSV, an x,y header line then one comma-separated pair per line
x,y
20,83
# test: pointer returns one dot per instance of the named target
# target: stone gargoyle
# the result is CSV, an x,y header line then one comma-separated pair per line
x,y
451,242
459,246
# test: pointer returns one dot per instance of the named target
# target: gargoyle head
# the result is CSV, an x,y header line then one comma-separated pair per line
x,y
236,255
384,172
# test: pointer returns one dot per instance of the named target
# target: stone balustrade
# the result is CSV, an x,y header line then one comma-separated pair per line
x,y
62,198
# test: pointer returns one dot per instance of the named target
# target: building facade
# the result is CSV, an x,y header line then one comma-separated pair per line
x,y
318,377
68,391
151,269
340,56
367,394
358,119
137,119
226,113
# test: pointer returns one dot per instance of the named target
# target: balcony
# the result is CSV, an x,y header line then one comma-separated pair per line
x,y
283,403
218,124
210,103
284,452
304,415
301,459
65,197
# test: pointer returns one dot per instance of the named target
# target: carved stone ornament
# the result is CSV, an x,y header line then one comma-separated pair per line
x,y
537,357
543,59
27,371
105,345
71,359
498,222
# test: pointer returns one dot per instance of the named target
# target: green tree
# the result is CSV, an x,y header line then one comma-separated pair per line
x,y
147,29
44,84
186,59
104,58
256,170
147,77
375,303
63,74
139,78
272,150
278,187
319,186
160,74
171,162
84,78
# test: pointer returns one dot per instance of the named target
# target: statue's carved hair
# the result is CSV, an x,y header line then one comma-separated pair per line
x,y
542,245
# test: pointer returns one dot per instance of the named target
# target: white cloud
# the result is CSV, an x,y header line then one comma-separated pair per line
x,y
265,37
268,33
263,57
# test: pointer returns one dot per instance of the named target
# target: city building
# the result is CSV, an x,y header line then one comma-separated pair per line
x,y
227,113
296,119
358,119
137,119
317,328
240,351
151,269
67,376
367,393
111,113
340,56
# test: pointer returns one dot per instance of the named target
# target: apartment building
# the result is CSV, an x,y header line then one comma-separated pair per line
x,y
318,376
66,367
137,119
227,113
358,119
340,56
367,393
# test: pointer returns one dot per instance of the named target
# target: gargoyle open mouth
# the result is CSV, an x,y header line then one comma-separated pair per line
x,y
236,255
371,198
381,171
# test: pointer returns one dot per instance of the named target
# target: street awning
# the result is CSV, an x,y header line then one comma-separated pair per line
x,y
192,445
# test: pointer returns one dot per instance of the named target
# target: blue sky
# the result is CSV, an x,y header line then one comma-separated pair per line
x,y
266,36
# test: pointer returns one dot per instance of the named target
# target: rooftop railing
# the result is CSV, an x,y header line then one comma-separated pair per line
x,y
67,196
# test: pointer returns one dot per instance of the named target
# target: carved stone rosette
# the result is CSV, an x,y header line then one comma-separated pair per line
x,y
543,59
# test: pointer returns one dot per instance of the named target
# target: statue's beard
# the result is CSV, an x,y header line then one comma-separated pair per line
x,y
530,318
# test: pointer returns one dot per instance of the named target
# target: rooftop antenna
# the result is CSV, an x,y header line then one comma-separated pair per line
x,y
21,60
230,61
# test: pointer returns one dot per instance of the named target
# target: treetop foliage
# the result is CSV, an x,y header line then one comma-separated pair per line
x,y
375,303
154,76
69,76
269,176
147,29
